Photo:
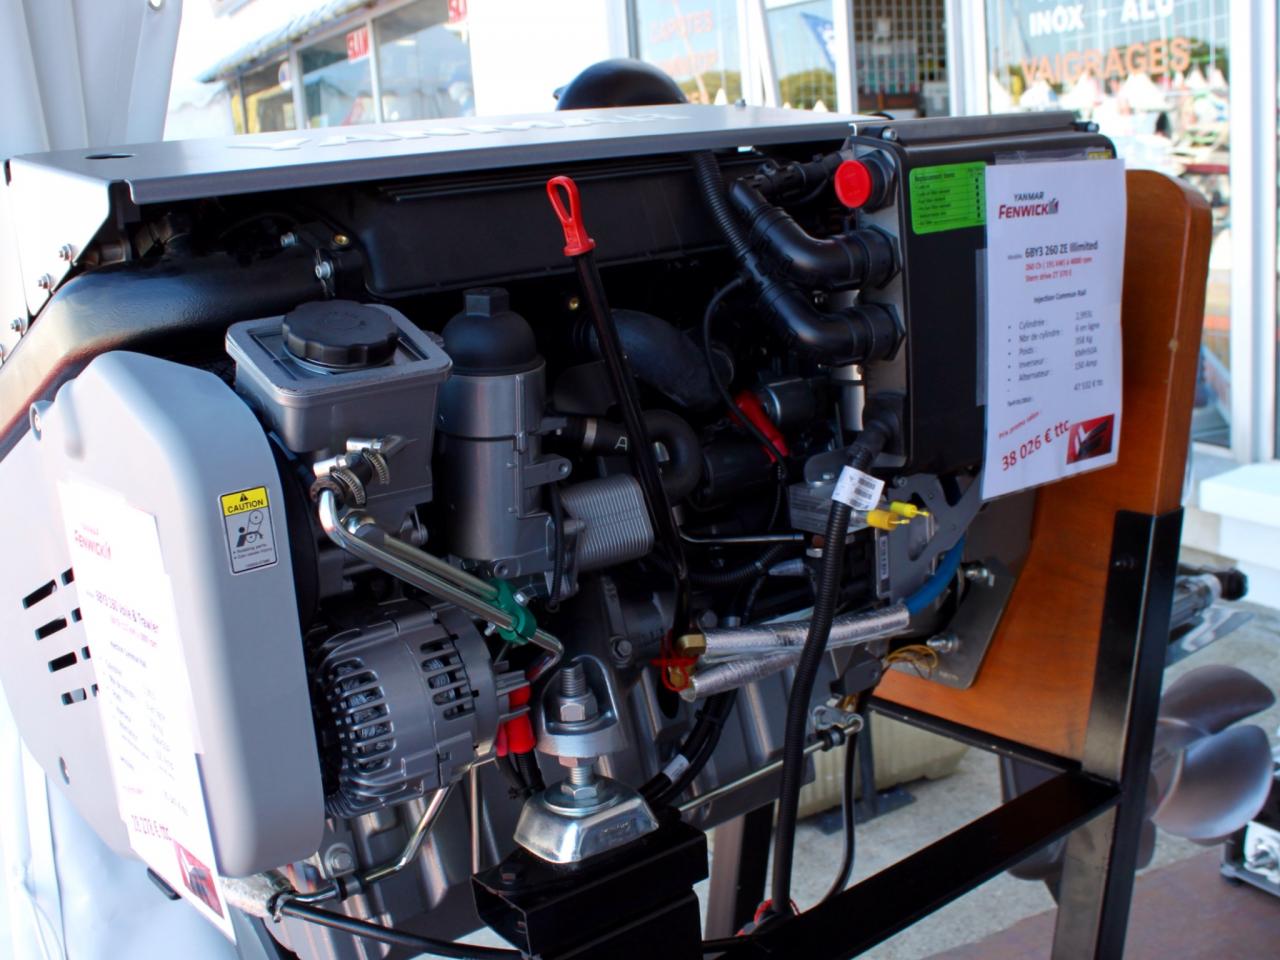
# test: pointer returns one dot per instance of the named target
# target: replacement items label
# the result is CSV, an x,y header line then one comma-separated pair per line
x,y
1055,267
246,517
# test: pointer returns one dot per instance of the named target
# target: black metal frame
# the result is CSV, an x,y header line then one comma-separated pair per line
x,y
1098,804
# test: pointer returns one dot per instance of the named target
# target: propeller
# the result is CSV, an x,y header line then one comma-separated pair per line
x,y
1208,777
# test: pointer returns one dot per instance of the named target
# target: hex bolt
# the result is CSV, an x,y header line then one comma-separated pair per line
x,y
339,859
66,252
18,325
324,270
944,643
287,240
45,282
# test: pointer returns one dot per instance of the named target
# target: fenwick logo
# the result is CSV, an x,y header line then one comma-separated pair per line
x,y
1028,205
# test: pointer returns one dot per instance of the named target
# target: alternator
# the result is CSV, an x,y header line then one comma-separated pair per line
x,y
409,701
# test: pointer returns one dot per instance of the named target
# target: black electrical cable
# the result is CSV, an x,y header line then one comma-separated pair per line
x,y
870,442
848,811
527,765
707,317
733,576
557,562
398,938
697,749
510,773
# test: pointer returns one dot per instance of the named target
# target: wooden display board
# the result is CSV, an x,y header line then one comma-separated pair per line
x,y
1037,680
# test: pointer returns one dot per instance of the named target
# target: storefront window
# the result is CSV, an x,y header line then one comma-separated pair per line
x,y
1153,75
901,53
802,36
696,42
424,63
336,80
268,100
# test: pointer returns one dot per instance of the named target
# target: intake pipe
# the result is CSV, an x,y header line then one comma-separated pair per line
x,y
850,335
661,357
853,259
681,473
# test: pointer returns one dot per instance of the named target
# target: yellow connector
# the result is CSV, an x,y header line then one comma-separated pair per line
x,y
884,520
908,510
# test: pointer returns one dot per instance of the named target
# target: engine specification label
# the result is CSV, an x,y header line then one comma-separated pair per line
x,y
1055,267
144,691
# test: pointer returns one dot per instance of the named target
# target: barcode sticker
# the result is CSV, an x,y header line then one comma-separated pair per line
x,y
859,490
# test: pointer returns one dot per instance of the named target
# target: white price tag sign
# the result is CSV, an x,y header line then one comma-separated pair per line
x,y
1055,268
126,600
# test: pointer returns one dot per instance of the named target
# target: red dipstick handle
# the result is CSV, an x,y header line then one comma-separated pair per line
x,y
576,241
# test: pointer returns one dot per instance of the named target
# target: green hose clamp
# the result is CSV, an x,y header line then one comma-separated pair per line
x,y
523,625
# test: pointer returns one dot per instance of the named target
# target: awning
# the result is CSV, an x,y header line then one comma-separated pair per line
x,y
277,41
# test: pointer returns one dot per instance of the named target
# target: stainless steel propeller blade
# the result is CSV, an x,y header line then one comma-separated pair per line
x,y
1213,697
1217,785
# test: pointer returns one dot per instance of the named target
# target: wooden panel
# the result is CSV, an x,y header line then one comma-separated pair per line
x,y
1037,680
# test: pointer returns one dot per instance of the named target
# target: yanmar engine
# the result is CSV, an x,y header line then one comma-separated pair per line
x,y
433,525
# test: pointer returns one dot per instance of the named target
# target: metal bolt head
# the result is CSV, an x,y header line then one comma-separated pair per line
x,y
324,270
339,859
944,643
575,710
341,240
18,324
889,135
287,240
45,282
66,252
580,791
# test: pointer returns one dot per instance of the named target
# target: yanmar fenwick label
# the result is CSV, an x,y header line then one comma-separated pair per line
x,y
1055,265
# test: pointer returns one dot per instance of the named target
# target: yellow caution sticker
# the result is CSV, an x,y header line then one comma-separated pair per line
x,y
243,501
246,517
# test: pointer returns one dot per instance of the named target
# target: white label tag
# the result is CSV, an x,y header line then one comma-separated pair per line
x,y
145,703
1055,268
858,490
678,765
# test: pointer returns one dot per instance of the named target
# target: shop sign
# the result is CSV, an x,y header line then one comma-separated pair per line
x,y
358,44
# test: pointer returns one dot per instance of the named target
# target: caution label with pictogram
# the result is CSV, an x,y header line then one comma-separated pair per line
x,y
246,517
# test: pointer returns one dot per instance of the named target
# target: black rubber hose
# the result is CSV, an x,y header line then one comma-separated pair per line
x,y
682,472
733,576
853,335
398,938
870,442
661,357
849,259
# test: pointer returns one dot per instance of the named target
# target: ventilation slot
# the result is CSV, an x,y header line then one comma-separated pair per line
x,y
62,662
68,577
41,593
50,628
74,696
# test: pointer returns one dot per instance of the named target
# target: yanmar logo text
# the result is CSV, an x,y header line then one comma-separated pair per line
x,y
1028,205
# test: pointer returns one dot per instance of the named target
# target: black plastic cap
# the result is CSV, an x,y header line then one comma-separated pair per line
x,y
488,337
619,83
341,334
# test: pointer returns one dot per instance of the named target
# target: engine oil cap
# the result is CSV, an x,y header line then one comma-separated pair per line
x,y
853,183
340,334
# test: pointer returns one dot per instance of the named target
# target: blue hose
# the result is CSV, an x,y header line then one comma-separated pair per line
x,y
933,587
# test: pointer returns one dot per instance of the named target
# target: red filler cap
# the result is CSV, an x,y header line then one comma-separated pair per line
x,y
853,183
